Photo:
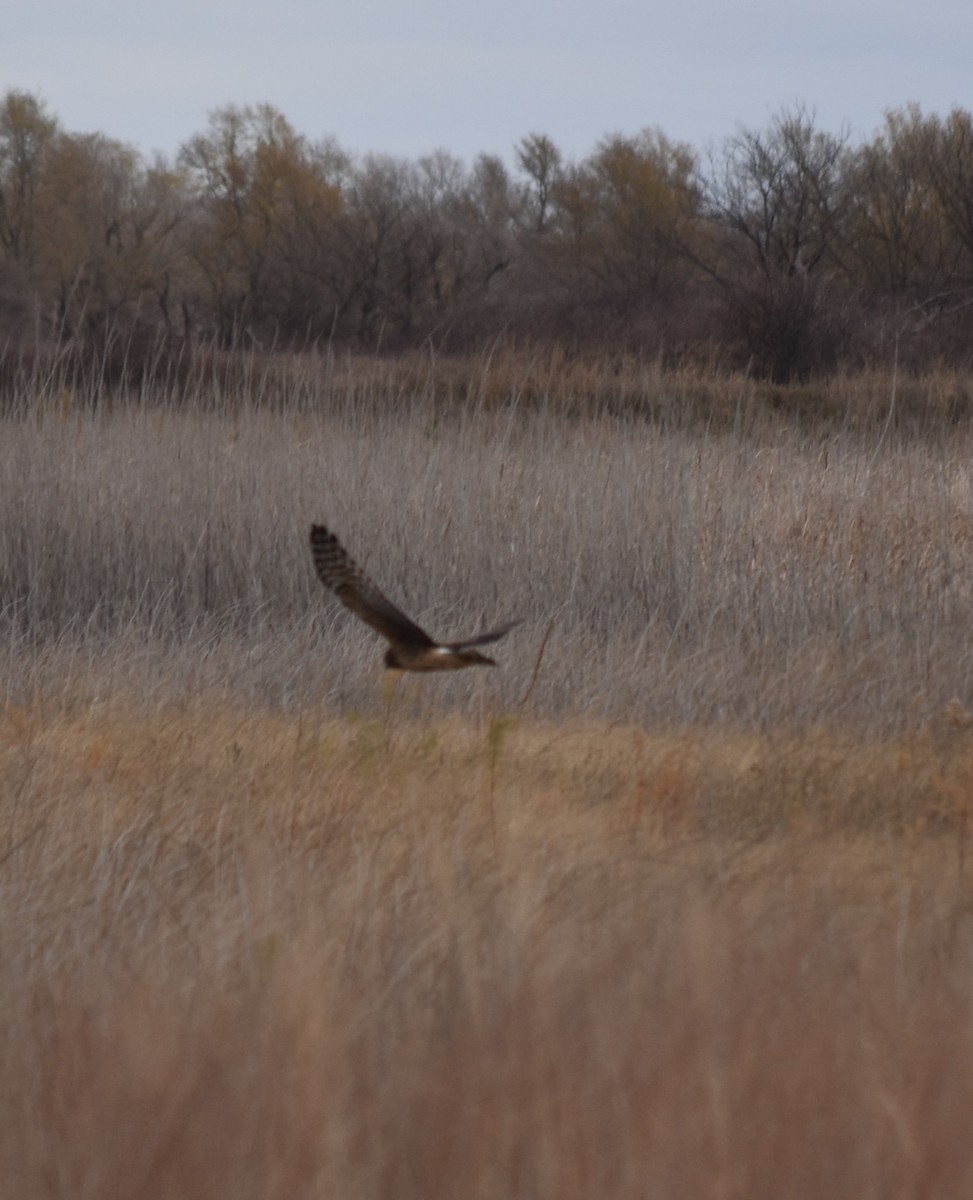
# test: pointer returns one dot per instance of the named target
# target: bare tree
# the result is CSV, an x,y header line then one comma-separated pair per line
x,y
645,199
26,136
896,236
776,198
258,186
949,156
541,161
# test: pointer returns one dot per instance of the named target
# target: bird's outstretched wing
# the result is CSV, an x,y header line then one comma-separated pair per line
x,y
338,571
484,639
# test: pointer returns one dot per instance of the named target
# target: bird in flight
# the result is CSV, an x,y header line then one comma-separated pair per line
x,y
410,648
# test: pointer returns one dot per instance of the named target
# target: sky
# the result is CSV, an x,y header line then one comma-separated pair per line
x,y
408,78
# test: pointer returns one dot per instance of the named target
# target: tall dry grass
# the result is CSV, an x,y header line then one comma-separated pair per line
x,y
256,955
695,920
762,574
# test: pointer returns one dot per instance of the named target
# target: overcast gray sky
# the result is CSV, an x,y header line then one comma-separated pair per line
x,y
408,78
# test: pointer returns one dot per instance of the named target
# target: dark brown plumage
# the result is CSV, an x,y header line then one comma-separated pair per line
x,y
410,648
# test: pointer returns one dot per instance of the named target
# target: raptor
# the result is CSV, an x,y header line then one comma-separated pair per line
x,y
410,648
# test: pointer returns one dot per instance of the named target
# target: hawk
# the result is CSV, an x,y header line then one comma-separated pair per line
x,y
410,648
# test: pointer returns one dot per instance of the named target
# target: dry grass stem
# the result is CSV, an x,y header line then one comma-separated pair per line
x,y
696,921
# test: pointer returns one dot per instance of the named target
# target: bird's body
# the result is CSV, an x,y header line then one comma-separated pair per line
x,y
410,648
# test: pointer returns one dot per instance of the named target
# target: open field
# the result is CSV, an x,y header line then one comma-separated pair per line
x,y
689,914
766,575
256,955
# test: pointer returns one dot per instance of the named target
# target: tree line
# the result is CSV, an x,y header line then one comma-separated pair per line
x,y
788,250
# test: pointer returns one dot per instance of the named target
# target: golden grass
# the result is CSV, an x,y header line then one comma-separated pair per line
x,y
580,384
254,944
250,954
505,374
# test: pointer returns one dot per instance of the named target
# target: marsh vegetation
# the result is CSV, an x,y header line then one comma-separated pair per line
x,y
690,915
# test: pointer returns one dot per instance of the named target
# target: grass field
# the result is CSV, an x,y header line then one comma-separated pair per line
x,y
689,914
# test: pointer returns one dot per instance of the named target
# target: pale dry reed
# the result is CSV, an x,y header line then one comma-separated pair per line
x,y
763,577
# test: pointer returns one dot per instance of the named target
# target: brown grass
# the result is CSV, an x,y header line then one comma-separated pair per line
x,y
694,920
254,955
